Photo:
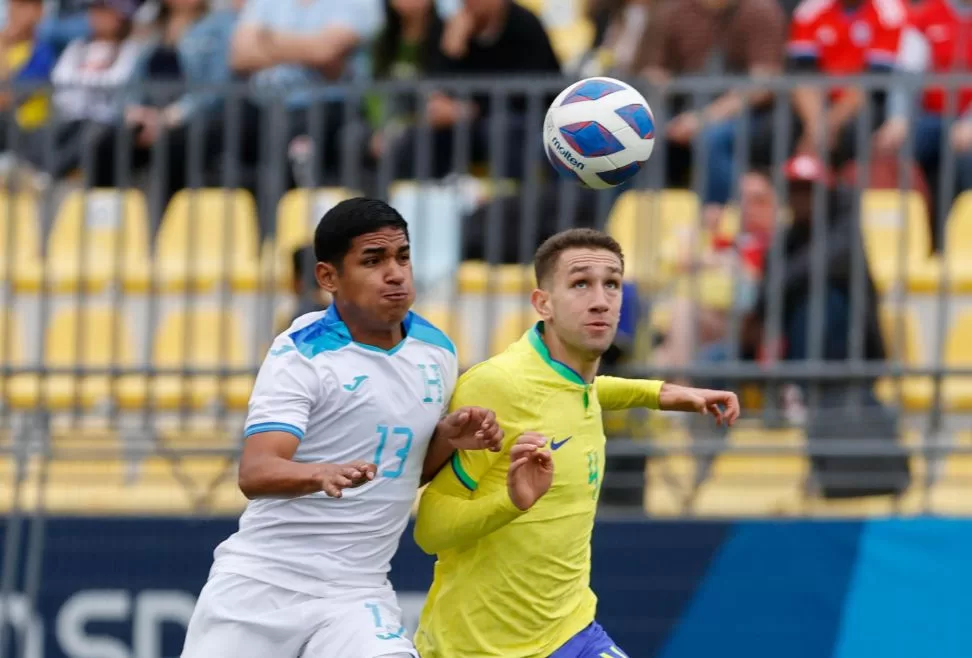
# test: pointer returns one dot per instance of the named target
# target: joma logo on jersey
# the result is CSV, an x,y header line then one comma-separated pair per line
x,y
432,379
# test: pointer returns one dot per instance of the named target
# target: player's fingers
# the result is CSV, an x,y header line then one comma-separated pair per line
x,y
717,413
366,469
332,490
534,438
495,439
543,456
700,404
522,449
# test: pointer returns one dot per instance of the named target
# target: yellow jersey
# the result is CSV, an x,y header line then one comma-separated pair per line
x,y
512,584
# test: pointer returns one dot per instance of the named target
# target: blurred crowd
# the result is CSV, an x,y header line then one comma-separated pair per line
x,y
155,84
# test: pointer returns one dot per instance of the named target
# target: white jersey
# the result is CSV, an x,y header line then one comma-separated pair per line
x,y
344,401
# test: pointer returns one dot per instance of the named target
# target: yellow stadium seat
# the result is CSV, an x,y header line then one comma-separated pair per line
x,y
298,213
958,354
478,277
952,493
202,339
95,338
903,343
100,237
896,239
20,261
752,485
572,40
13,353
668,484
451,324
958,243
208,237
511,328
648,226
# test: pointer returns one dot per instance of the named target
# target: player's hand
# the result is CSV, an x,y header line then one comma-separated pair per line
x,y
471,428
531,470
334,478
722,405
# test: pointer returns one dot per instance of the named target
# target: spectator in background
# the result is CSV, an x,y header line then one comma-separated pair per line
x,y
487,38
713,37
620,45
404,51
90,80
188,51
835,38
939,41
740,260
844,244
23,60
291,48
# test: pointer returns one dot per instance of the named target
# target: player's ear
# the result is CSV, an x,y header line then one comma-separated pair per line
x,y
541,303
326,275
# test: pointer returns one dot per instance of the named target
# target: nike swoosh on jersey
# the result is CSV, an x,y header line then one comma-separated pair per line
x,y
556,445
353,386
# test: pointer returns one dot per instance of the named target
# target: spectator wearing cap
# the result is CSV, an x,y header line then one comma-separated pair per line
x,y
843,244
90,81
484,40
181,78
938,41
840,38
717,38
290,50
23,61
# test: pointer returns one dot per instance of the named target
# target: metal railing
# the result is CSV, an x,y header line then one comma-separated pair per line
x,y
232,266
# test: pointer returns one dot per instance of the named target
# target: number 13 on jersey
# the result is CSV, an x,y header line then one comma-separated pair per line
x,y
398,435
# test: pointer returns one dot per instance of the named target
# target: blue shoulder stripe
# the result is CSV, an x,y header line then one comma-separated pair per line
x,y
423,330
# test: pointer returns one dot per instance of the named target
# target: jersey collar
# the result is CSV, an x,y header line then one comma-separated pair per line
x,y
335,325
535,336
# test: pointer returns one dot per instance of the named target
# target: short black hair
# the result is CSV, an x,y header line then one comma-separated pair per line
x,y
545,260
347,220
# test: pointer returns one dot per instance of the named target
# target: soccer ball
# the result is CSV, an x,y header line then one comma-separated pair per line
x,y
599,132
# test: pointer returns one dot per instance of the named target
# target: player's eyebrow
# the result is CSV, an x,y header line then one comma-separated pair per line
x,y
373,251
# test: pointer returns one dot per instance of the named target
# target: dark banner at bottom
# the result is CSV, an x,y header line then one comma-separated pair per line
x,y
125,588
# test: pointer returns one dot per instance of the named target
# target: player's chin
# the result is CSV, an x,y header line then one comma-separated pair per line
x,y
599,336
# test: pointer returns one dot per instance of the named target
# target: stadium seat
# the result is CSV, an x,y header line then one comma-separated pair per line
x,y
510,329
298,213
571,40
92,337
752,485
478,277
896,240
199,339
903,344
648,225
958,243
13,351
208,237
451,324
958,354
952,494
20,261
99,238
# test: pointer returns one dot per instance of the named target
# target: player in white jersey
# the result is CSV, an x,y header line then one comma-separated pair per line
x,y
345,422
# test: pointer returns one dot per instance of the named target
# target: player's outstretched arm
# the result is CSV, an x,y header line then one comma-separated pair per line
x,y
620,393
722,405
466,428
449,516
267,470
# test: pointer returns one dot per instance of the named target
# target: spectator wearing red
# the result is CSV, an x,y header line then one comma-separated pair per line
x,y
939,40
841,38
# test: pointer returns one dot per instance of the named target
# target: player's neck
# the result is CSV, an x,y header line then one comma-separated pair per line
x,y
581,364
381,337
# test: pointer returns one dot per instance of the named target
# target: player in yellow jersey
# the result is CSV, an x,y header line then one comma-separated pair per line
x,y
512,529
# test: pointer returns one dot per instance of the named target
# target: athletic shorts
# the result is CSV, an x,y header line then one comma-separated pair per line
x,y
238,617
592,642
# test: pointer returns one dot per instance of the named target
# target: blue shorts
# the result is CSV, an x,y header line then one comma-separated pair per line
x,y
592,642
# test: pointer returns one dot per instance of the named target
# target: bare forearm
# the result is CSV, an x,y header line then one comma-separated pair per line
x,y
249,51
275,477
673,397
439,452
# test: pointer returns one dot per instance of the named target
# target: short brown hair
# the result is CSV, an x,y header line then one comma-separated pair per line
x,y
545,260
